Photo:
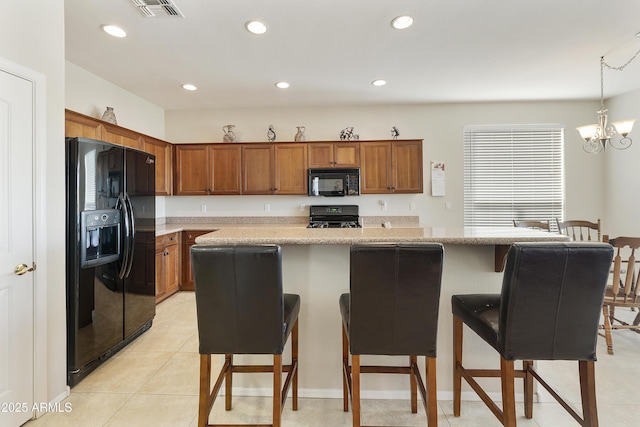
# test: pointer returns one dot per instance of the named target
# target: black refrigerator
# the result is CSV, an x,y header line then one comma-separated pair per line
x,y
110,244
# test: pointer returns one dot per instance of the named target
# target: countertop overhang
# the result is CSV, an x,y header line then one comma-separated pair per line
x,y
297,234
300,235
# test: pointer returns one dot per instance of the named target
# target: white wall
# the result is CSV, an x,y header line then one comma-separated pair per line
x,y
89,94
439,125
622,179
43,52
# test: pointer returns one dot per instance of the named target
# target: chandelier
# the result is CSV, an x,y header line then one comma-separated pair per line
x,y
597,136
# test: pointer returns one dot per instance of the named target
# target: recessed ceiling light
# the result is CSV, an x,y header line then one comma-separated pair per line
x,y
256,27
114,31
188,86
379,82
282,85
402,22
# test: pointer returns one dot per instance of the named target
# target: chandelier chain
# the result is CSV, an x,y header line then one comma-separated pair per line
x,y
620,68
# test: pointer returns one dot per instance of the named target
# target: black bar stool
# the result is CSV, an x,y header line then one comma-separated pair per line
x,y
241,309
392,309
549,309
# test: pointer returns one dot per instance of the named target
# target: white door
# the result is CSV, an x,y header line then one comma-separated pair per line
x,y
16,249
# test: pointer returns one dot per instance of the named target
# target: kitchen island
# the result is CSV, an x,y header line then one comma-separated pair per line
x,y
316,266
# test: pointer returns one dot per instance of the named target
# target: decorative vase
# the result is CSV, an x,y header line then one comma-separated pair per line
x,y
300,134
109,116
271,134
229,136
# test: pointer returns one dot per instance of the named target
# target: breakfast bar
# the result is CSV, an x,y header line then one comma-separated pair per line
x,y
316,266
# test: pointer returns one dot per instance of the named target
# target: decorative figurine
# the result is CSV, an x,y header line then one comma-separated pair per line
x,y
271,134
229,136
109,116
347,134
299,136
395,132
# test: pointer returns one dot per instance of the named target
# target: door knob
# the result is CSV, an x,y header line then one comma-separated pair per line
x,y
23,269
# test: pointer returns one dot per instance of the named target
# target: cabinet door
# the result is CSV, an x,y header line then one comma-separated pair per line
x,y
406,166
291,168
121,136
375,167
320,155
346,155
79,125
226,165
162,151
188,240
160,282
340,155
172,268
192,170
258,169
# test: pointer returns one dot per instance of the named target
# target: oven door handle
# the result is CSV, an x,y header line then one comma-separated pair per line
x,y
126,245
132,234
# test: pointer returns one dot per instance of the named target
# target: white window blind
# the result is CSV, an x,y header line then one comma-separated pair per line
x,y
513,172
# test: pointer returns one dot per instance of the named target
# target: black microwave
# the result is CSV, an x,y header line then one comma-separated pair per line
x,y
334,182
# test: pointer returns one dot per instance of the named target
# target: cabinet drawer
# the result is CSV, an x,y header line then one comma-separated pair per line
x,y
167,240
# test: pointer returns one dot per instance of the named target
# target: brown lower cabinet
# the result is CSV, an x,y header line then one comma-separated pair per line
x,y
167,265
188,240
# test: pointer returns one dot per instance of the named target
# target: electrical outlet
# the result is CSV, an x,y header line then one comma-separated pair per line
x,y
412,206
267,207
302,206
383,205
447,206
203,208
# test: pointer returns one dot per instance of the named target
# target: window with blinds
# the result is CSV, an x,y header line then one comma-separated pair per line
x,y
513,172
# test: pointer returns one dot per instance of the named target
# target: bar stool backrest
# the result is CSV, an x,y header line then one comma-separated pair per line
x,y
394,300
239,299
551,300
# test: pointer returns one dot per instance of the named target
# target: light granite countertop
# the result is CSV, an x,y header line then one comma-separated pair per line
x,y
300,235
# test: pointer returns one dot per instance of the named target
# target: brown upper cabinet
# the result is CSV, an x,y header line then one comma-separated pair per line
x,y
203,169
334,155
258,166
291,168
391,167
274,168
162,151
121,136
79,125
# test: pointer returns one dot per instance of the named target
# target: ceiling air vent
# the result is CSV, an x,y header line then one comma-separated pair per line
x,y
158,8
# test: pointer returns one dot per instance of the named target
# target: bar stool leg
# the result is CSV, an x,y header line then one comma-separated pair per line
x,y
413,384
355,398
507,376
345,370
205,384
528,388
294,362
432,392
457,361
277,389
228,382
588,393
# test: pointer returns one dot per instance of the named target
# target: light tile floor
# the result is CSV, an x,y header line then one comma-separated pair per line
x,y
154,381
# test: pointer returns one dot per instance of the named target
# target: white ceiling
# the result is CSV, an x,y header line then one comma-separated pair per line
x,y
331,50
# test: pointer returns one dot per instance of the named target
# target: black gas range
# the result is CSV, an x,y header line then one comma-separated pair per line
x,y
334,216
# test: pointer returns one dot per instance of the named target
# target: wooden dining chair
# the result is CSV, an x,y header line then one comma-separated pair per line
x,y
539,225
622,290
580,230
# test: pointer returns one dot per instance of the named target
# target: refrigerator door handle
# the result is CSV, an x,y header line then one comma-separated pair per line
x,y
126,245
132,234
